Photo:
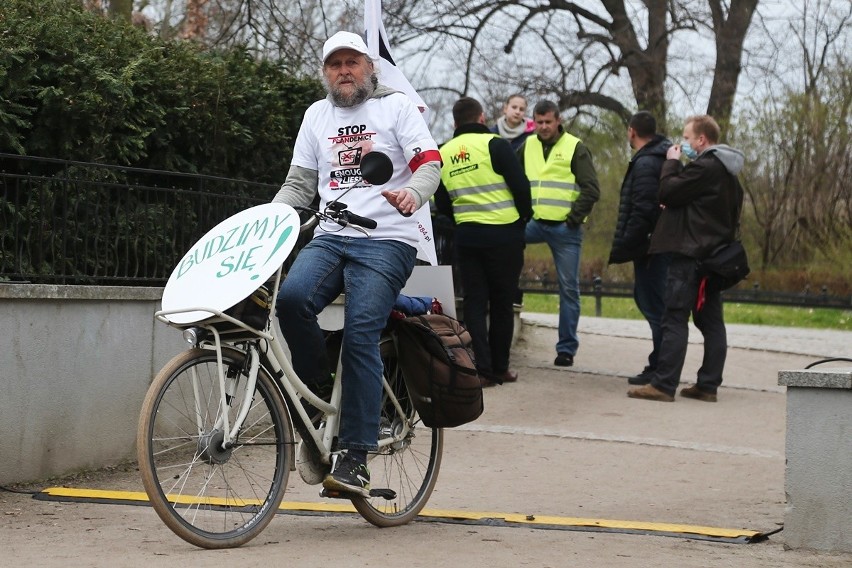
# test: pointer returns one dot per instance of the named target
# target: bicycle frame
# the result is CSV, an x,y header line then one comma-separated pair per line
x,y
290,385
216,442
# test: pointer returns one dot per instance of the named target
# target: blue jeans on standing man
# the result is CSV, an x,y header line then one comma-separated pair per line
x,y
649,293
565,244
371,273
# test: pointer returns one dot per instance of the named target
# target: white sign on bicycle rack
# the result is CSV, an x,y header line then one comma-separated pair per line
x,y
231,261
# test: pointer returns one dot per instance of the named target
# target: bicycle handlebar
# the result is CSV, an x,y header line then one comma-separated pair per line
x,y
350,217
336,212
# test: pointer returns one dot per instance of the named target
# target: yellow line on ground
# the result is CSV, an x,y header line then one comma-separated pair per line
x,y
531,520
585,522
95,494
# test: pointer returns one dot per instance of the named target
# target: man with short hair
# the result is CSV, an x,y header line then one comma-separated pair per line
x,y
358,116
487,194
703,201
638,211
564,189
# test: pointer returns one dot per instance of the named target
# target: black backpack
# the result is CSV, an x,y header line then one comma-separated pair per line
x,y
437,362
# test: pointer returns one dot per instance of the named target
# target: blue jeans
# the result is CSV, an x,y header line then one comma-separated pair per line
x,y
565,244
371,273
649,292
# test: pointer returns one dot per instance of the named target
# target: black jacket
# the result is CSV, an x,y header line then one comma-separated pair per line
x,y
702,200
639,206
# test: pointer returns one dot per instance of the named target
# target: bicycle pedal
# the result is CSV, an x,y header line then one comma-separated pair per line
x,y
388,494
332,494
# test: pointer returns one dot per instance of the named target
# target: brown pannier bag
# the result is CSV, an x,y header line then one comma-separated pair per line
x,y
437,362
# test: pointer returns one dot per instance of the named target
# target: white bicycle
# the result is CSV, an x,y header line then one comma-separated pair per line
x,y
216,441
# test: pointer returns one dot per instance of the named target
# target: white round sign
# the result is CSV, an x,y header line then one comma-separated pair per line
x,y
231,261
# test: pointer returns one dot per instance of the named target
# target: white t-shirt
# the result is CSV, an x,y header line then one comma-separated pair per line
x,y
332,141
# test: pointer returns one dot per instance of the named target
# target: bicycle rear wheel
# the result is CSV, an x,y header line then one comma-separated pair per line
x,y
408,467
211,496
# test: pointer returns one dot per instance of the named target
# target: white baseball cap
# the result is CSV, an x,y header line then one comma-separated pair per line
x,y
343,40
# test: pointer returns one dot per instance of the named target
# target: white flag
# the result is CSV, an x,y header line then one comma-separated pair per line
x,y
391,76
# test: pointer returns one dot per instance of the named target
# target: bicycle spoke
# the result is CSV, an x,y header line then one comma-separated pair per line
x,y
211,495
409,464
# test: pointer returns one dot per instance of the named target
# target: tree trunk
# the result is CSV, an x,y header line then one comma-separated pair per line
x,y
647,67
730,30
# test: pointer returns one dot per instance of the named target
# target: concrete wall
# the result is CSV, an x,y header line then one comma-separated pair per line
x,y
818,479
75,362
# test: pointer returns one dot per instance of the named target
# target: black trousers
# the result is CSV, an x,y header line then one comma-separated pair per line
x,y
682,284
490,281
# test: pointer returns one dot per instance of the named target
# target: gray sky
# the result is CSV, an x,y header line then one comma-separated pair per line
x,y
772,58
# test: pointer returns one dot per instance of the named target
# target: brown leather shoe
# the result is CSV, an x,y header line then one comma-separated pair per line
x,y
648,392
508,376
697,394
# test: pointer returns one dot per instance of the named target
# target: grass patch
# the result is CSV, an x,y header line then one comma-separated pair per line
x,y
784,316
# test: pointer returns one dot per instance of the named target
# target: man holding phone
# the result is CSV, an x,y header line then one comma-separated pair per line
x,y
702,204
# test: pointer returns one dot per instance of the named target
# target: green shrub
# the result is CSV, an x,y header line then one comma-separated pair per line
x,y
78,86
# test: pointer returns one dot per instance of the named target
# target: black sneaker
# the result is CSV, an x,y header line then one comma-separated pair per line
x,y
348,476
643,378
563,360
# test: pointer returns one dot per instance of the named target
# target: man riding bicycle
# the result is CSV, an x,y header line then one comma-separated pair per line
x,y
358,116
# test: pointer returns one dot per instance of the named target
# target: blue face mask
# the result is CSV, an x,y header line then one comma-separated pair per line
x,y
688,150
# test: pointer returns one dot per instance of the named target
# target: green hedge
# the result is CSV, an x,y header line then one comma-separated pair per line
x,y
78,86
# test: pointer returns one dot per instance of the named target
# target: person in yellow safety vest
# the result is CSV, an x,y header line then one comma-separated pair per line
x,y
564,189
484,190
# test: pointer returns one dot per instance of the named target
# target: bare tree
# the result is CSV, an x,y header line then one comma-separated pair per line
x,y
291,31
730,24
578,53
801,140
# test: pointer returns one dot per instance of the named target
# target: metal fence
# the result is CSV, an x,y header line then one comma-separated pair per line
x,y
64,222
744,293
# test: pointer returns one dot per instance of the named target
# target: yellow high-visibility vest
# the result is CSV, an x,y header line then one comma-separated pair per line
x,y
552,183
478,194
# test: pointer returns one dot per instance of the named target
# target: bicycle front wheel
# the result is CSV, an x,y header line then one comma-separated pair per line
x,y
210,495
409,466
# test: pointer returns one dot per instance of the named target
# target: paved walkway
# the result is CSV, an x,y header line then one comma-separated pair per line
x,y
561,442
819,343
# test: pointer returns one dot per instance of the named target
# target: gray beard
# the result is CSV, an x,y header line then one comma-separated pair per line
x,y
361,93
